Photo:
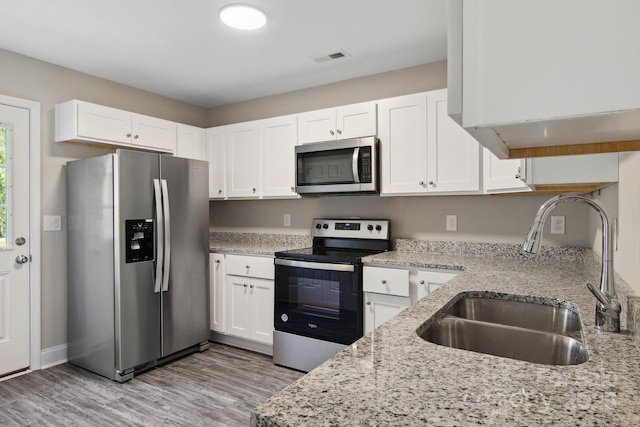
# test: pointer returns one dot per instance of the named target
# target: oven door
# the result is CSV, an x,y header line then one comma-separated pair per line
x,y
318,300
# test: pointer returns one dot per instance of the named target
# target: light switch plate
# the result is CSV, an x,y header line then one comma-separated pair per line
x,y
287,220
52,223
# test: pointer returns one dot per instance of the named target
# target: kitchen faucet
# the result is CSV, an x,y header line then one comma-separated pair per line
x,y
607,308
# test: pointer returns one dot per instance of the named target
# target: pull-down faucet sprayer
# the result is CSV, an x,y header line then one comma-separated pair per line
x,y
607,308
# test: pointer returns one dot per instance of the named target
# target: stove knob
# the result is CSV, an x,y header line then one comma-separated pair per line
x,y
378,228
370,227
325,226
318,226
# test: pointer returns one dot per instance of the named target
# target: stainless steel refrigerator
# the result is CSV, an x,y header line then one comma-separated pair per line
x,y
138,247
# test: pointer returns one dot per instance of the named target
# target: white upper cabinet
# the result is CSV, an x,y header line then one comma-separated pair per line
x,y
423,150
191,143
278,137
86,122
453,156
582,169
348,121
502,175
403,144
217,156
242,142
519,76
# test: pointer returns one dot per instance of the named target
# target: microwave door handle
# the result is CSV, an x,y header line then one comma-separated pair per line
x,y
354,164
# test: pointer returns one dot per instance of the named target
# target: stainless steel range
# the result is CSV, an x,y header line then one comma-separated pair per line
x,y
318,291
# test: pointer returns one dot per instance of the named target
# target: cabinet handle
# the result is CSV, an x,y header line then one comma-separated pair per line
x,y
217,261
332,132
339,132
254,190
293,189
518,174
431,183
422,282
245,285
129,135
421,183
251,286
135,136
368,302
248,266
219,191
384,282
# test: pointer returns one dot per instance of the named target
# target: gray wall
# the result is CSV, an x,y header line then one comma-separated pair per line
x,y
26,78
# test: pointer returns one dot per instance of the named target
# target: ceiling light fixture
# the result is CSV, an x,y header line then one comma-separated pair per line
x,y
242,17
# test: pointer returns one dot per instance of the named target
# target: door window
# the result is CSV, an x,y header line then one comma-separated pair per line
x,y
5,187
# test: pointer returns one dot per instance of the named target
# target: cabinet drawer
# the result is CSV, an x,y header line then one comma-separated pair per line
x,y
250,266
390,281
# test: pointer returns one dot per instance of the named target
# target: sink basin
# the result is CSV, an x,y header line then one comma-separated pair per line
x,y
529,315
531,332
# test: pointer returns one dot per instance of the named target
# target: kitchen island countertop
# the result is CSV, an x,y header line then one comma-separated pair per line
x,y
393,377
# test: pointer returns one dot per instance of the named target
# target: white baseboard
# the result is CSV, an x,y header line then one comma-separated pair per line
x,y
53,356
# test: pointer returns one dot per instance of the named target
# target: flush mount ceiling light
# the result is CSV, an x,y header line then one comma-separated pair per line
x,y
242,17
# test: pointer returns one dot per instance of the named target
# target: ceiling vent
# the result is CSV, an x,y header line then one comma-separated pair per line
x,y
330,57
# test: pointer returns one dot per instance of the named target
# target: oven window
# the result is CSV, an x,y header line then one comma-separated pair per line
x,y
320,304
326,167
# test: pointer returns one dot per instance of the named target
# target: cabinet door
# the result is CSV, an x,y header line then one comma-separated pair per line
x,y
217,162
243,160
453,155
191,143
153,132
103,123
378,308
317,126
429,281
501,175
402,130
278,137
217,293
356,120
262,302
238,307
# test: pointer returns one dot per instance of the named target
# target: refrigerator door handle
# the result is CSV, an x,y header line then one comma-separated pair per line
x,y
167,236
160,236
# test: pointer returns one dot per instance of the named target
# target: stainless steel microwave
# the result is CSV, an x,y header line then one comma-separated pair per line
x,y
346,166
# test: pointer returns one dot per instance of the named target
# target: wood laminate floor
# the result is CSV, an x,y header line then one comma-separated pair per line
x,y
218,387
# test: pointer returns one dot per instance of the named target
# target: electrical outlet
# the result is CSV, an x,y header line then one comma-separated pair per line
x,y
52,223
287,220
452,223
557,224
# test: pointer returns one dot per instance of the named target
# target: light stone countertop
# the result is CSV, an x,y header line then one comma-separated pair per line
x,y
392,377
256,243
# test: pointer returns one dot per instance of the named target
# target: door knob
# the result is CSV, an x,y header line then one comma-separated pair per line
x,y
20,241
21,259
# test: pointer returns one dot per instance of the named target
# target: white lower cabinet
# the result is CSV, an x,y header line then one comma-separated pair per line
x,y
428,281
386,293
217,293
378,308
249,298
250,308
388,290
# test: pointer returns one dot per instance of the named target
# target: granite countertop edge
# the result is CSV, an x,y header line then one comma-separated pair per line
x,y
393,377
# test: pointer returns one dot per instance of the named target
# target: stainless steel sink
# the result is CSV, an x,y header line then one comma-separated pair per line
x,y
540,317
525,331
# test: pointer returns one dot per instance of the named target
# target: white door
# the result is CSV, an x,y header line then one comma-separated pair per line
x,y
14,239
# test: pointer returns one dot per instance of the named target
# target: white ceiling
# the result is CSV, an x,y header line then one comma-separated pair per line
x,y
180,49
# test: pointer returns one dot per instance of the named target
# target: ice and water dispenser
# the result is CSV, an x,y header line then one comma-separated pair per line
x,y
139,240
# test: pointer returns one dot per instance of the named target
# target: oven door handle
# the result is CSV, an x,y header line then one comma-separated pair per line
x,y
314,265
